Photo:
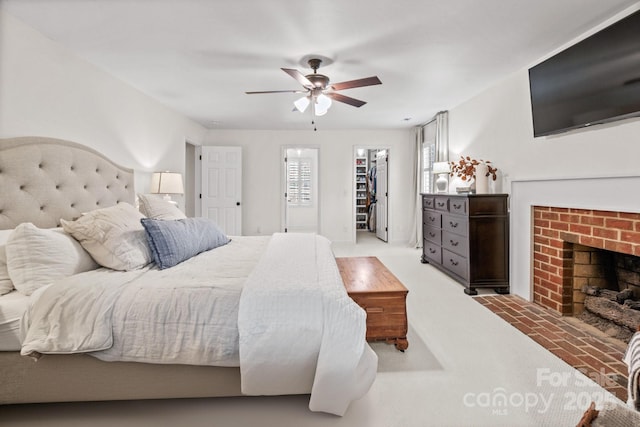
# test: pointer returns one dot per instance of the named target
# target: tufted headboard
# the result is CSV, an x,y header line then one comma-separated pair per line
x,y
43,180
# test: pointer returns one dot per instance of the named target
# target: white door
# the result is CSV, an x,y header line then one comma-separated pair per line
x,y
222,187
382,161
301,213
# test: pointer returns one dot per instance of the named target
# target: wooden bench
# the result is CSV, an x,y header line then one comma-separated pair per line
x,y
374,288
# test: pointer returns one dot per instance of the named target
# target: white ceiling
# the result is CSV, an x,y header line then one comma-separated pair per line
x,y
199,57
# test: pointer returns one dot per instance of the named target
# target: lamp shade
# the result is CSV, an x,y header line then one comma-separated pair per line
x,y
323,102
167,183
302,104
441,167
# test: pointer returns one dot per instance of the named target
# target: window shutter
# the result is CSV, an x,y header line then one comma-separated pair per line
x,y
299,182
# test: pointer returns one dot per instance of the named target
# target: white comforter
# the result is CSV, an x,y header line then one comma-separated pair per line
x,y
300,331
290,325
185,314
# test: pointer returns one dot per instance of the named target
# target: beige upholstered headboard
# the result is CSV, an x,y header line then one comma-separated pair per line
x,y
43,180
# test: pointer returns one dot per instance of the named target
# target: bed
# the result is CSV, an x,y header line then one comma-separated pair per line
x,y
276,280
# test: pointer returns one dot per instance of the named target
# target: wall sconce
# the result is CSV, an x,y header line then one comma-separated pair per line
x,y
442,170
167,183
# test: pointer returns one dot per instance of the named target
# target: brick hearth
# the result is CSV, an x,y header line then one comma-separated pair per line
x,y
556,230
582,347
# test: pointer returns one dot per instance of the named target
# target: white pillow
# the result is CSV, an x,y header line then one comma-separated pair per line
x,y
156,208
113,236
36,257
6,285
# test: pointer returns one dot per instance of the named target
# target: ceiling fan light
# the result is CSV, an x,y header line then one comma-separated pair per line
x,y
323,103
301,104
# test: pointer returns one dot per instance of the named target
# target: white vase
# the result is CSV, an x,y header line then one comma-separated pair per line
x,y
482,180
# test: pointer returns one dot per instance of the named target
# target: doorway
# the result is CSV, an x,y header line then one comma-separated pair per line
x,y
301,190
371,194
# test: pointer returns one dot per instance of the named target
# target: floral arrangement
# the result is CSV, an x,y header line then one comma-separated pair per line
x,y
465,168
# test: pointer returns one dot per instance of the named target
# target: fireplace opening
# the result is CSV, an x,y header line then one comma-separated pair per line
x,y
594,250
607,290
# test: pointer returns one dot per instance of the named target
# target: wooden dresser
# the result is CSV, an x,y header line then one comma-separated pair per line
x,y
381,295
467,237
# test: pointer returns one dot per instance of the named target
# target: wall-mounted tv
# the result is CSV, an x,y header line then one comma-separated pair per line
x,y
594,81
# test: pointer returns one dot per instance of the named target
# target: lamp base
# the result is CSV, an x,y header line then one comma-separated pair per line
x,y
442,183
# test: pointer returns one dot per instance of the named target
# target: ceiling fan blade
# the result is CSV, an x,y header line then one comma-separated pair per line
x,y
299,77
277,91
346,99
368,81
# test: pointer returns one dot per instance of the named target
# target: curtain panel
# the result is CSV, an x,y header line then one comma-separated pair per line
x,y
431,145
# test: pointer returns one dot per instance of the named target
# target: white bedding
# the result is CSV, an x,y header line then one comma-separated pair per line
x,y
296,331
186,314
12,306
299,329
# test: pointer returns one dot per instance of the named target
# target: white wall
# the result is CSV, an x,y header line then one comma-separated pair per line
x,y
46,90
496,125
262,175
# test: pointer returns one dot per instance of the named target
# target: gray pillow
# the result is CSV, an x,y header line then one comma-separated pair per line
x,y
174,241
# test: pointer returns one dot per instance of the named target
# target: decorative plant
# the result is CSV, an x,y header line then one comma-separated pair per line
x,y
465,168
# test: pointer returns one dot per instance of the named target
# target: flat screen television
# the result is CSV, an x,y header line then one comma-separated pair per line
x,y
594,81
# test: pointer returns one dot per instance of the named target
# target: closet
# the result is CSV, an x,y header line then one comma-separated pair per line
x,y
362,208
370,193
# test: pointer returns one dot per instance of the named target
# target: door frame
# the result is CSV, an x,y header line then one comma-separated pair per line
x,y
283,183
354,155
200,170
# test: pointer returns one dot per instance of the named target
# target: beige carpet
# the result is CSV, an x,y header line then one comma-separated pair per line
x,y
416,358
461,360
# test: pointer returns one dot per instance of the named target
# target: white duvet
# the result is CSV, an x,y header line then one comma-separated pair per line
x,y
300,331
275,306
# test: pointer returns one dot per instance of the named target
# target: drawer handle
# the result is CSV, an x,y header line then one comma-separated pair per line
x,y
441,204
453,262
454,243
453,224
455,206
432,218
433,251
374,309
432,234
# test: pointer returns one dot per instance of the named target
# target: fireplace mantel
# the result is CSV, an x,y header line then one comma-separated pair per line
x,y
599,193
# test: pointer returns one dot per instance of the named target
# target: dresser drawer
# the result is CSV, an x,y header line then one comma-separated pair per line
x,y
432,251
442,204
455,224
455,243
458,206
455,263
432,234
432,219
427,202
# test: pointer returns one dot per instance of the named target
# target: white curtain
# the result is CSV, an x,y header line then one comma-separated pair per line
x,y
436,130
441,123
415,239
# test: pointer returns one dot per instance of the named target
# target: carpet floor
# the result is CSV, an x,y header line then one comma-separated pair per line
x,y
465,366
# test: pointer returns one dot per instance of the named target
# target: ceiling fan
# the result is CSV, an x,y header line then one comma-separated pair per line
x,y
319,92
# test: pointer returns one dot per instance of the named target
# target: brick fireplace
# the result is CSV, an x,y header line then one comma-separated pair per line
x,y
562,234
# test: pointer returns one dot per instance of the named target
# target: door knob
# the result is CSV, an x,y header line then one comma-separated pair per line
x,y
237,203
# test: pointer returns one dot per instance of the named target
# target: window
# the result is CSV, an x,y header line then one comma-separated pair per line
x,y
428,157
299,181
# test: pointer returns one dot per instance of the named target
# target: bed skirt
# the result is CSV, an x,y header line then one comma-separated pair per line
x,y
79,377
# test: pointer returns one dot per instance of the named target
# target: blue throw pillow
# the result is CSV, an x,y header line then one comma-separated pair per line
x,y
174,241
